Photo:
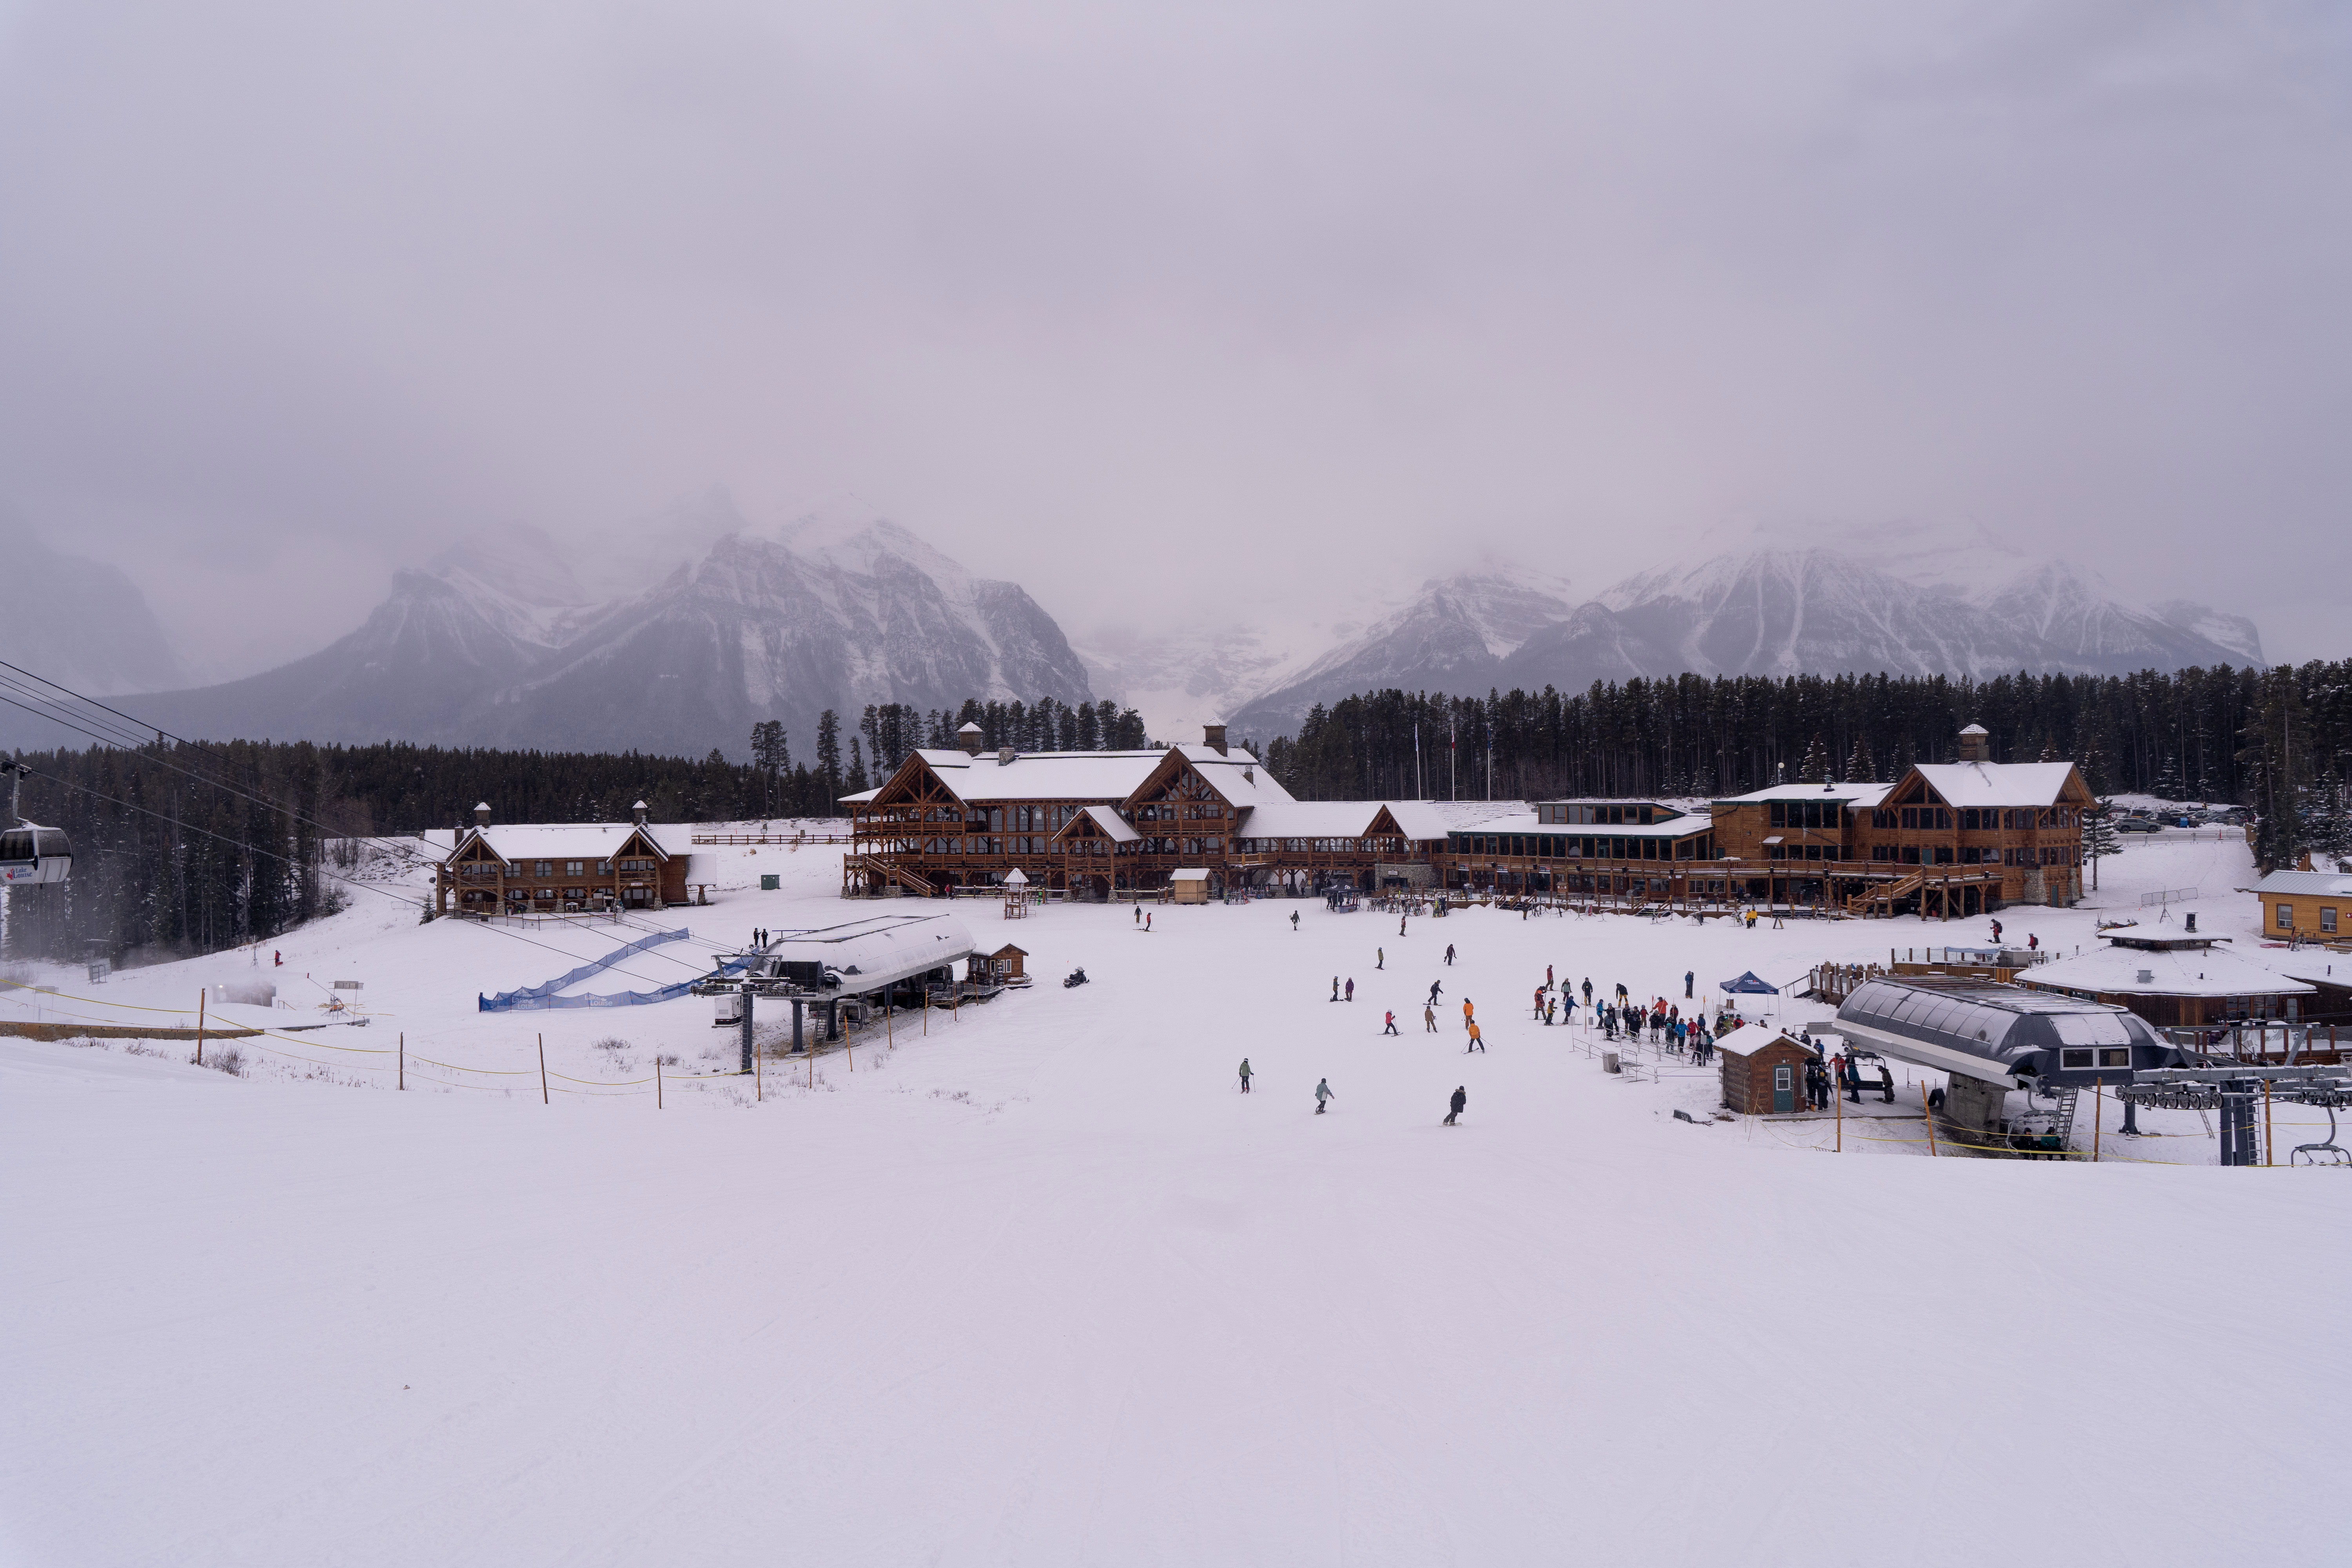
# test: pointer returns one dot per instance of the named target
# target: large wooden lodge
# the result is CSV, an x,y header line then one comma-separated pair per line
x,y
1951,839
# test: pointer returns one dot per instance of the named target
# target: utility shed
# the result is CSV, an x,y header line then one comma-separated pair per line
x,y
2175,982
1189,886
1003,966
1763,1071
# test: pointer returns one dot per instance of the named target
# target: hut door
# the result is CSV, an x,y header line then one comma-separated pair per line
x,y
1784,1090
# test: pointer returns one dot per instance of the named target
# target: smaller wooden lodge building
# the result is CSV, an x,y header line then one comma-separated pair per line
x,y
567,868
1763,1071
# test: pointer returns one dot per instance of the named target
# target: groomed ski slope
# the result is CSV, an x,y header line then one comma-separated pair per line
x,y
1041,1287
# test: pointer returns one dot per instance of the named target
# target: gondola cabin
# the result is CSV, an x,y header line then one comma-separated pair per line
x,y
31,854
1763,1071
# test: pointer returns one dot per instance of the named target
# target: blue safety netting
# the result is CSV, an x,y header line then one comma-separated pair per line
x,y
538,997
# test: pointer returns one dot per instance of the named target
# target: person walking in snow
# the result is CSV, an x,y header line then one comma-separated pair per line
x,y
1391,1028
1435,987
1449,955
1455,1106
1429,1018
1478,1041
1540,1006
1689,979
1147,923
1245,1075
1335,988
1322,1093
1399,925
1380,958
1351,988
2033,943
1547,976
1293,922
1469,1012
1139,914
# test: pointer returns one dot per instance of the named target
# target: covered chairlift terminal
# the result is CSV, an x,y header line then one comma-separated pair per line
x,y
1990,1038
861,958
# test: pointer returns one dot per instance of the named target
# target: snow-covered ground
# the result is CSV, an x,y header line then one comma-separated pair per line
x,y
1037,1284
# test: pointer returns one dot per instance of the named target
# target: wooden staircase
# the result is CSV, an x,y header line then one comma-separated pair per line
x,y
879,872
1885,893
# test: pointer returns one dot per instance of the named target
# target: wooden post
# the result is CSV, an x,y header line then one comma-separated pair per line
x,y
2269,1157
1838,1091
542,1071
658,1083
199,1027
759,1073
403,1061
2098,1090
1929,1118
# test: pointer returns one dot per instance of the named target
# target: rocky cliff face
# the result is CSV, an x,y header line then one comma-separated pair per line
x,y
1761,613
483,650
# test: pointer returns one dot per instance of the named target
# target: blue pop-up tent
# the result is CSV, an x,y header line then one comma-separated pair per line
x,y
1749,985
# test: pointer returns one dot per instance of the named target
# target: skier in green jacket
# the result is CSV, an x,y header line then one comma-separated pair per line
x,y
1245,1075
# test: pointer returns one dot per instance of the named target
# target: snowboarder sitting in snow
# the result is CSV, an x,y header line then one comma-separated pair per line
x,y
1461,1098
1322,1093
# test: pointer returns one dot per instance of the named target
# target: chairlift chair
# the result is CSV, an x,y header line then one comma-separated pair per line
x,y
31,854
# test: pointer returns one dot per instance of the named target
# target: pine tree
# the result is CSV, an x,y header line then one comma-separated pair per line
x,y
1859,768
2093,769
1815,768
2100,838
2049,749
2168,784
828,759
855,783
2329,819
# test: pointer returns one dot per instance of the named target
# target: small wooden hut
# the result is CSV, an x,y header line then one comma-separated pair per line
x,y
1763,1071
1002,967
1189,886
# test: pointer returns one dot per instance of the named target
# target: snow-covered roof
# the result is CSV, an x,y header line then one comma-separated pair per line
x,y
1237,775
1337,819
1523,822
2320,882
879,949
1114,825
1190,873
2172,971
1016,878
514,841
2317,965
1861,796
862,796
1997,783
1748,1039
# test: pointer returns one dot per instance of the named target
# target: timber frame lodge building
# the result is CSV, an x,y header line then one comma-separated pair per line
x,y
1947,839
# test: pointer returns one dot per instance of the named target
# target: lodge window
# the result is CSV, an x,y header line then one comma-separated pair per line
x,y
575,868
546,868
1910,855
2328,918
1943,853
2286,917
1880,817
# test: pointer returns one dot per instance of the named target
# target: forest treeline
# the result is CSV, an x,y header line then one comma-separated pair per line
x,y
185,847
189,848
2278,741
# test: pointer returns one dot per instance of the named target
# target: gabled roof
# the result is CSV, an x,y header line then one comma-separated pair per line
x,y
519,841
1041,775
1114,826
1997,783
1339,819
1239,778
2320,882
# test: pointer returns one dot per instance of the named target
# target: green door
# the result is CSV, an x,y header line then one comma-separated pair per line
x,y
1784,1090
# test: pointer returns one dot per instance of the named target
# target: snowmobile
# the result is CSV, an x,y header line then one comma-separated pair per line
x,y
1076,978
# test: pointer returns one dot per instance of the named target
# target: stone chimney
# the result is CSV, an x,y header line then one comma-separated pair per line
x,y
637,813
968,737
1975,744
482,814
1214,736
1005,754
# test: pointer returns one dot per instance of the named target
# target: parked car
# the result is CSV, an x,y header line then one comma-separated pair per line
x,y
2137,824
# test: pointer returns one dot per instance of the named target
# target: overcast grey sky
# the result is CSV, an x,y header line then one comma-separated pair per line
x,y
1177,309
